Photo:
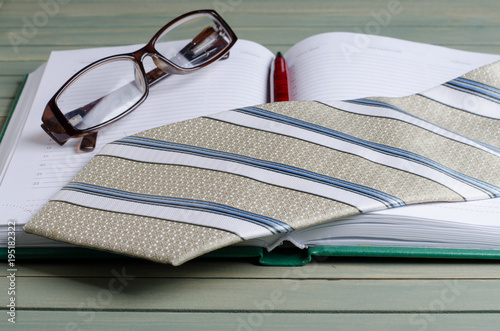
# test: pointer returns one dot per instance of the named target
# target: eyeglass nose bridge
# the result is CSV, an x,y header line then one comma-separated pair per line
x,y
162,70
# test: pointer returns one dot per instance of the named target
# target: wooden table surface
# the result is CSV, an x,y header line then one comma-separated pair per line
x,y
218,294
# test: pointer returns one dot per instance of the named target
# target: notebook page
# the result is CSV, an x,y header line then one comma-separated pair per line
x,y
39,167
370,229
341,66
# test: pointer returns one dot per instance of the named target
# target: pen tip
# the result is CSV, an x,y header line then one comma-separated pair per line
x,y
279,54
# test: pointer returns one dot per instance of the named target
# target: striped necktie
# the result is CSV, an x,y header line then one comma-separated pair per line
x,y
178,191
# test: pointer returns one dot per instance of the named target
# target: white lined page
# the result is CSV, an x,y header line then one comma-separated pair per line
x,y
341,66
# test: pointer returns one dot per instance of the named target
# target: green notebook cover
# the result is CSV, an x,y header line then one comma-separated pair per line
x,y
278,257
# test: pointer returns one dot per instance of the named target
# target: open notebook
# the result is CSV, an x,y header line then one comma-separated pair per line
x,y
325,67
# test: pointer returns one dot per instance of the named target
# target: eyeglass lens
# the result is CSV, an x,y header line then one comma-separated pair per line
x,y
193,42
114,86
103,93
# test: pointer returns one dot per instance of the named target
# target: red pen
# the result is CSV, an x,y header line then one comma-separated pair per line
x,y
280,80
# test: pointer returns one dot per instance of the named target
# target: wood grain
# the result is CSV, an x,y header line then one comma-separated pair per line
x,y
98,320
332,269
302,295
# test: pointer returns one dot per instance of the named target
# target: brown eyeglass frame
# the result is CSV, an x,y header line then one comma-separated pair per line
x,y
57,126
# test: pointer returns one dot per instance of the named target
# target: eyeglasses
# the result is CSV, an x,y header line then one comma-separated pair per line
x,y
116,85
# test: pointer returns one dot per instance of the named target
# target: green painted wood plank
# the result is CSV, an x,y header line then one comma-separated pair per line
x,y
344,7
307,294
9,85
337,14
333,269
247,321
18,68
2,122
5,105
261,34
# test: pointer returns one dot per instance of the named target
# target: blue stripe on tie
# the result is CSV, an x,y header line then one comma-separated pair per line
x,y
478,85
386,199
376,103
475,88
273,225
487,188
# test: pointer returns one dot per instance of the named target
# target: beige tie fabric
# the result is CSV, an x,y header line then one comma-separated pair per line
x,y
178,191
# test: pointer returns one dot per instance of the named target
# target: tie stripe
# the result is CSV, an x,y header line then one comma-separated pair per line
x,y
274,179
491,190
386,199
387,110
94,192
475,88
396,155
